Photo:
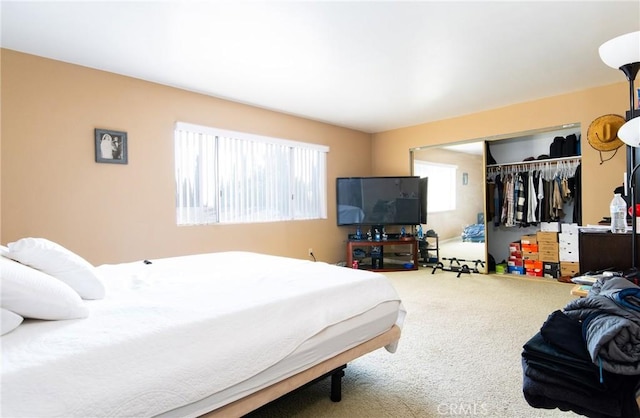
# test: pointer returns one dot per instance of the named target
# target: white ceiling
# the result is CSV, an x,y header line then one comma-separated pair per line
x,y
371,66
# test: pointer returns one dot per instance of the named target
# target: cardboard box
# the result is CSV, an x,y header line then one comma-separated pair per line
x,y
570,228
568,254
551,270
549,227
516,270
527,255
550,267
569,268
531,248
549,256
528,239
514,246
517,262
533,272
552,275
533,265
568,239
548,247
543,236
515,254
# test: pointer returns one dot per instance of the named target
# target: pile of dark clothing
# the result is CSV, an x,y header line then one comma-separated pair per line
x,y
586,358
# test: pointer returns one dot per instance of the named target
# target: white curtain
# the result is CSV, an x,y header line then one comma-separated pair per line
x,y
231,177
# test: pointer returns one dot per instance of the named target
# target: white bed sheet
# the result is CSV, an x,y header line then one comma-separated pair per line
x,y
171,333
322,346
331,341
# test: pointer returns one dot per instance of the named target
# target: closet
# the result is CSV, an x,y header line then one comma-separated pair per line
x,y
510,152
549,188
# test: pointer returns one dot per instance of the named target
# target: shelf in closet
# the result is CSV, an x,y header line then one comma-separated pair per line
x,y
532,162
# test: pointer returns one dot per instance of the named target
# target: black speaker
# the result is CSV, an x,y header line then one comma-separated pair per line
x,y
424,186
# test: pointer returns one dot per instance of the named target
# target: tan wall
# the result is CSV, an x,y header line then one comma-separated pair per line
x,y
110,213
391,149
469,197
52,187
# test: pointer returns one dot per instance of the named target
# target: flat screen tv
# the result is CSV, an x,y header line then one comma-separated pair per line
x,y
381,200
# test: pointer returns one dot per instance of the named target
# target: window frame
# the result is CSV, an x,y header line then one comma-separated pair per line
x,y
290,152
440,190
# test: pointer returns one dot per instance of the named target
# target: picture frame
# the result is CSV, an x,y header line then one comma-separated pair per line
x,y
111,146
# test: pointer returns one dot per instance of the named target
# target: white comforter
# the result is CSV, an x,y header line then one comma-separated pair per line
x,y
177,330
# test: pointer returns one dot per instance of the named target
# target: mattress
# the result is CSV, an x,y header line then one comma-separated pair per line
x,y
182,335
326,344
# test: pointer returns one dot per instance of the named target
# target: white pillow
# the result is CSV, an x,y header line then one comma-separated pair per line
x,y
4,251
9,321
33,294
57,261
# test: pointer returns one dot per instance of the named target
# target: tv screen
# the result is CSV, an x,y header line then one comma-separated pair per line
x,y
379,200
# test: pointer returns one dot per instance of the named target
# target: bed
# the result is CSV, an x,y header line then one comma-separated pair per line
x,y
219,334
473,233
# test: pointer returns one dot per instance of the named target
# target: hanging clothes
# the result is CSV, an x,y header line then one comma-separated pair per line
x,y
498,196
532,200
508,210
519,198
576,182
532,192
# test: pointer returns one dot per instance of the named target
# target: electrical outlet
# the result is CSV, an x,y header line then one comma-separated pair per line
x,y
310,251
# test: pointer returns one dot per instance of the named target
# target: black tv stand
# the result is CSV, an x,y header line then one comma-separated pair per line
x,y
375,249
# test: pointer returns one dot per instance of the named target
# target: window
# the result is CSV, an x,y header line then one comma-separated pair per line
x,y
233,177
441,193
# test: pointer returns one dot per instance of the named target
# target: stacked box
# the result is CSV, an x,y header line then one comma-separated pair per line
x,y
572,228
529,244
515,263
568,268
548,247
551,270
546,237
533,268
549,227
516,269
568,244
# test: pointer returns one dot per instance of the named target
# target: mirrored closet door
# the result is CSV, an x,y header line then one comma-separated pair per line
x,y
461,176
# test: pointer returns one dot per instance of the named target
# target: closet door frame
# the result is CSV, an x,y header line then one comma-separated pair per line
x,y
524,144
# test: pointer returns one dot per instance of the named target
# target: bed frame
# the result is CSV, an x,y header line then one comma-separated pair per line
x,y
333,367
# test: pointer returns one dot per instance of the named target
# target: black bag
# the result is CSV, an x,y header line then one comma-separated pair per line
x,y
490,159
570,146
555,150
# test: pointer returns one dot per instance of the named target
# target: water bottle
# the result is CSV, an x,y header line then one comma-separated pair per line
x,y
618,210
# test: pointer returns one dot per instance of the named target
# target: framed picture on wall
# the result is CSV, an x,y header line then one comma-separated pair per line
x,y
111,146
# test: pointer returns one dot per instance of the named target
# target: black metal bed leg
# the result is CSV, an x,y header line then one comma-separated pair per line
x,y
336,384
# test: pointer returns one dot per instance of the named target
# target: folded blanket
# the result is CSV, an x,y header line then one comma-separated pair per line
x,y
576,372
611,325
629,298
541,393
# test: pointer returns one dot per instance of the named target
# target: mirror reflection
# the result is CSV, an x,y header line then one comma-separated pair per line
x,y
455,226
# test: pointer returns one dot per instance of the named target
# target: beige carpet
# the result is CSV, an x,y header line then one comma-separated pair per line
x,y
459,354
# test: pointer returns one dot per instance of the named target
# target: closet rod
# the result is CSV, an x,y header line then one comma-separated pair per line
x,y
548,160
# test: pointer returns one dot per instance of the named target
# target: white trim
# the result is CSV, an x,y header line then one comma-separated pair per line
x,y
183,126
